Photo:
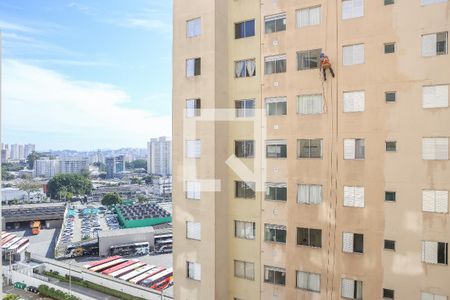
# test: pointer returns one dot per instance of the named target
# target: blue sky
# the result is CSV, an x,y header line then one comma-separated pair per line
x,y
86,74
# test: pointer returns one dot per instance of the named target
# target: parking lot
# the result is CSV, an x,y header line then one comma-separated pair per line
x,y
84,222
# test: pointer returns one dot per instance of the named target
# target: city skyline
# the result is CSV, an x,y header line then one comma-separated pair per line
x,y
86,88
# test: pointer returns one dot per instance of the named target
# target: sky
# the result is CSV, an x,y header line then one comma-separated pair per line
x,y
85,75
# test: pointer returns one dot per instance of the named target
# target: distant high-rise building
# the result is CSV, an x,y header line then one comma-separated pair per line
x,y
28,149
46,167
21,152
114,166
5,155
73,165
159,156
14,152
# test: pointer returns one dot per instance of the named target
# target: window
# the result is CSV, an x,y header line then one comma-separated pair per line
x,y
354,101
390,196
193,148
276,106
308,16
193,230
434,252
353,55
307,60
388,2
434,44
276,149
435,148
354,149
351,289
276,191
244,269
309,194
352,9
429,2
354,196
275,233
245,68
194,270
275,64
389,244
308,281
435,96
309,148
244,148
193,27
429,296
435,201
310,104
244,29
391,146
193,190
388,294
274,275
275,23
352,242
309,237
244,230
245,108
193,66
390,96
193,108
245,189
389,48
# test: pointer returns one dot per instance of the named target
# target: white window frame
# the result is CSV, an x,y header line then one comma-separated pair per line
x,y
311,104
348,290
352,9
354,101
350,150
354,196
308,16
309,194
193,27
194,271
431,2
435,96
435,201
248,271
430,251
307,281
435,148
244,230
193,190
430,44
353,54
193,230
193,148
430,296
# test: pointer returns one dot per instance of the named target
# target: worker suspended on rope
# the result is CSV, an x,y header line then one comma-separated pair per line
x,y
324,65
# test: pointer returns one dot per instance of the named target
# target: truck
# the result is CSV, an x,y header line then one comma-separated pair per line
x,y
36,227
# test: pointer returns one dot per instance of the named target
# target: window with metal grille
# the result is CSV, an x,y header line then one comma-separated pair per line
x,y
389,244
390,96
391,146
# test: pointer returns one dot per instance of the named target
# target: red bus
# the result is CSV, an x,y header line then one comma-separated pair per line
x,y
146,275
126,269
118,267
99,262
158,277
107,265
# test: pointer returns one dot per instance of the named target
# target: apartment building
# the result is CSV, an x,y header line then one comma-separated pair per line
x,y
354,169
159,156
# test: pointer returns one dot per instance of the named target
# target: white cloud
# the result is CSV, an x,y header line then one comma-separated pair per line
x,y
4,25
82,115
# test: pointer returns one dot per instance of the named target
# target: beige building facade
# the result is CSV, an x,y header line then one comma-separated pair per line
x,y
289,186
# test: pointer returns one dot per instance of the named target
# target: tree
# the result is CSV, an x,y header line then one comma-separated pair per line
x,y
148,179
85,173
61,184
29,186
136,180
31,158
137,164
11,297
101,166
111,199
